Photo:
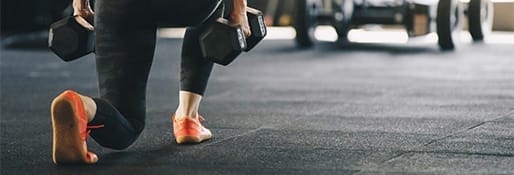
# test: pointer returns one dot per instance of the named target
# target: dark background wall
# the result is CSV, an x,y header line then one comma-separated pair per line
x,y
19,16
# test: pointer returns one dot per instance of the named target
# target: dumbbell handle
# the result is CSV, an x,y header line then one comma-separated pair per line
x,y
222,42
70,40
257,27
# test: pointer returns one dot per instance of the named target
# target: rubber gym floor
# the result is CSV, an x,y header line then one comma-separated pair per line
x,y
362,109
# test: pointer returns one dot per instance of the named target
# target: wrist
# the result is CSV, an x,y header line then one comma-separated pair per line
x,y
238,13
81,4
239,7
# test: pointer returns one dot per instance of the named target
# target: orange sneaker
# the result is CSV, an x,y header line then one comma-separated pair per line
x,y
189,130
69,123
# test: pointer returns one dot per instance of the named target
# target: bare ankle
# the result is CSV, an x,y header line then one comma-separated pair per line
x,y
189,103
181,114
89,106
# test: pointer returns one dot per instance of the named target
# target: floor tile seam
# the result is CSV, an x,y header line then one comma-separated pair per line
x,y
511,155
256,130
308,148
445,137
275,128
474,126
411,150
232,137
450,171
249,167
441,152
506,115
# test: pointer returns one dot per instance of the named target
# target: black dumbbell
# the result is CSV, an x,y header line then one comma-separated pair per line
x,y
69,40
222,42
257,27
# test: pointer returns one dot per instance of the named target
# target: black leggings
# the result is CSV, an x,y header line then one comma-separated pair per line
x,y
125,42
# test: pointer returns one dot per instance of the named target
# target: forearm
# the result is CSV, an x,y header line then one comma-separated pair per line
x,y
239,17
81,4
239,7
83,13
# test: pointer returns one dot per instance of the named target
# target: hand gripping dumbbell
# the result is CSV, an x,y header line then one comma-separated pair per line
x,y
69,40
222,42
257,27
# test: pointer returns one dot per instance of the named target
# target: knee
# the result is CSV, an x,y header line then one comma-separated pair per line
x,y
120,143
117,139
120,146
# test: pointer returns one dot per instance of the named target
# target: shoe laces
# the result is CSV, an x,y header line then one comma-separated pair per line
x,y
88,130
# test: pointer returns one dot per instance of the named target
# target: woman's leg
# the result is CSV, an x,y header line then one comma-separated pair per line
x,y
194,75
195,70
125,43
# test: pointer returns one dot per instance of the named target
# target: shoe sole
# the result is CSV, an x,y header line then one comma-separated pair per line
x,y
192,139
68,147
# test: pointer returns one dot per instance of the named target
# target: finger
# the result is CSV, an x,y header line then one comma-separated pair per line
x,y
248,33
91,19
83,22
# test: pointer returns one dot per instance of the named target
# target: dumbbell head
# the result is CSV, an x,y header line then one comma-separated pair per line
x,y
222,42
257,27
69,40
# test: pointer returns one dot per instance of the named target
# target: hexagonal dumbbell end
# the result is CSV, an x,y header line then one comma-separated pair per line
x,y
69,40
257,27
222,42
